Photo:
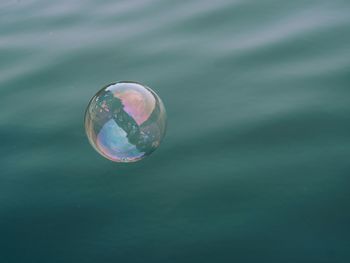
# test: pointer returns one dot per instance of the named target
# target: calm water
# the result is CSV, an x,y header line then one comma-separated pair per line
x,y
255,165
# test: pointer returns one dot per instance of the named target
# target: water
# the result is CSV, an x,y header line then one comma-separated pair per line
x,y
254,166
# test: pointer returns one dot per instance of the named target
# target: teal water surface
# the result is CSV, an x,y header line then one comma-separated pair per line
x,y
255,164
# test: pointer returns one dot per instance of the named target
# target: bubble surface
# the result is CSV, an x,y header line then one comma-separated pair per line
x,y
125,121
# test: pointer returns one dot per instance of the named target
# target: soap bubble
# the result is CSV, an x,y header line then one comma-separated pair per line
x,y
125,121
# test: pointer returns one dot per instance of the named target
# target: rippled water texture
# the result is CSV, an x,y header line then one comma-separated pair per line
x,y
254,166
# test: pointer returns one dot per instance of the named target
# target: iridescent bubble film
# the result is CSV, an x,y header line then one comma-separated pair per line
x,y
125,121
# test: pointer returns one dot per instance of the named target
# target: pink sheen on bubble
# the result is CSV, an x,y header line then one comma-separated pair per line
x,y
138,103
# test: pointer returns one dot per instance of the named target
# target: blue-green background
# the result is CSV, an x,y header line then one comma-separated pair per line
x,y
255,165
